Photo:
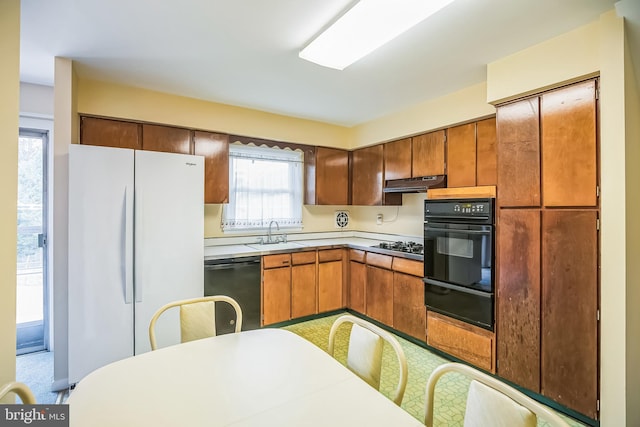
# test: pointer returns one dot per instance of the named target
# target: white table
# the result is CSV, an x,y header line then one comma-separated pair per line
x,y
266,377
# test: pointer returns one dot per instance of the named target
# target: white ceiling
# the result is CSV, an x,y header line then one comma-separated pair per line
x,y
245,52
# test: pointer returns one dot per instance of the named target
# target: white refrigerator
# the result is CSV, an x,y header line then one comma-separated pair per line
x,y
136,231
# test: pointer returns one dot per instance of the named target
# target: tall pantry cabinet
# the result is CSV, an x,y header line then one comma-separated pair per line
x,y
548,276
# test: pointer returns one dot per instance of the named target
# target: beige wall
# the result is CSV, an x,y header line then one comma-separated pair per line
x,y
105,99
462,106
9,112
65,132
632,160
566,58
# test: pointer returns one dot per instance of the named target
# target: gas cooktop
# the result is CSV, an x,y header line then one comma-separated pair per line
x,y
407,247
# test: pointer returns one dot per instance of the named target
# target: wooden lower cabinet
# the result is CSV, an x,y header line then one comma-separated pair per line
x,y
303,284
409,311
357,281
518,297
379,294
547,304
276,288
330,272
569,325
462,340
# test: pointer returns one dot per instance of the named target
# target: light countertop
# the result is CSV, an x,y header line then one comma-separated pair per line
x,y
213,252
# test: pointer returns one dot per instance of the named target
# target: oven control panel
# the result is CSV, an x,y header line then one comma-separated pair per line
x,y
472,209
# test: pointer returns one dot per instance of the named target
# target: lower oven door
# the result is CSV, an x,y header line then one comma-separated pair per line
x,y
466,304
460,254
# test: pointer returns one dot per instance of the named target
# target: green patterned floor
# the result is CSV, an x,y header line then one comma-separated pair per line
x,y
451,391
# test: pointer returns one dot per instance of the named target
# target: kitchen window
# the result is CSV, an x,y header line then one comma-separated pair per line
x,y
265,184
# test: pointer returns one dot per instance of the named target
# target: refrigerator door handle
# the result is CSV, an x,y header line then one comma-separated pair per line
x,y
128,245
139,236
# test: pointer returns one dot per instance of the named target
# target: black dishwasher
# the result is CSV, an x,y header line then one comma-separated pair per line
x,y
238,278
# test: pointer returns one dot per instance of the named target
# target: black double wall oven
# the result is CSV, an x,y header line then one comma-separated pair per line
x,y
458,259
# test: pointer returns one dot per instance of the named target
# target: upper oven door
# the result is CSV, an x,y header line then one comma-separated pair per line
x,y
459,254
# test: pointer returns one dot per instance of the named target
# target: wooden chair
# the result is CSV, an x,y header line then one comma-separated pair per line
x,y
364,355
22,390
197,318
490,402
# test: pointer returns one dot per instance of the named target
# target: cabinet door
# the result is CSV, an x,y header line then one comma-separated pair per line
x,y
486,140
276,295
428,154
461,156
303,284
397,159
462,340
166,138
569,363
569,170
332,176
379,294
367,176
330,280
518,297
215,149
303,290
518,126
409,311
110,133
357,283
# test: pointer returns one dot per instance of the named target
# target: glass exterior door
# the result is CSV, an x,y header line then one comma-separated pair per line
x,y
31,312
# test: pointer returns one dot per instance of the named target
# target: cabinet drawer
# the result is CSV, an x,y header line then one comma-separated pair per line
x,y
330,255
464,341
299,258
403,265
356,255
383,261
275,261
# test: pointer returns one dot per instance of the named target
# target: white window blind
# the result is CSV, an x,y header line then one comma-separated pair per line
x,y
265,184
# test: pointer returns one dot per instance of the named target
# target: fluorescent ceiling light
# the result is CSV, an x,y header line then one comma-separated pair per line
x,y
365,27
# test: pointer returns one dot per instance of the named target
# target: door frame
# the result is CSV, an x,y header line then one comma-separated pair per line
x,y
43,126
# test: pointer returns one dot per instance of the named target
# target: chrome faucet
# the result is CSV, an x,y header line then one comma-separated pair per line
x,y
269,231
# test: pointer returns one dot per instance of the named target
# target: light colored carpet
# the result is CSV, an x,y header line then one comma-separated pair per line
x,y
36,371
451,390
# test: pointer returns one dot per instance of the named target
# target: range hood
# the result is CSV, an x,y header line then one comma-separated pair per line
x,y
415,185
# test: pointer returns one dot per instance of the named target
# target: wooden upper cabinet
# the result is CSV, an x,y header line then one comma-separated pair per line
x,y
397,159
331,177
569,341
215,149
518,153
486,141
518,297
367,176
166,138
569,169
461,156
428,154
110,133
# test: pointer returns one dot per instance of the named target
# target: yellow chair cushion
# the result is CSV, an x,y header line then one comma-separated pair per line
x,y
487,407
197,321
364,356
